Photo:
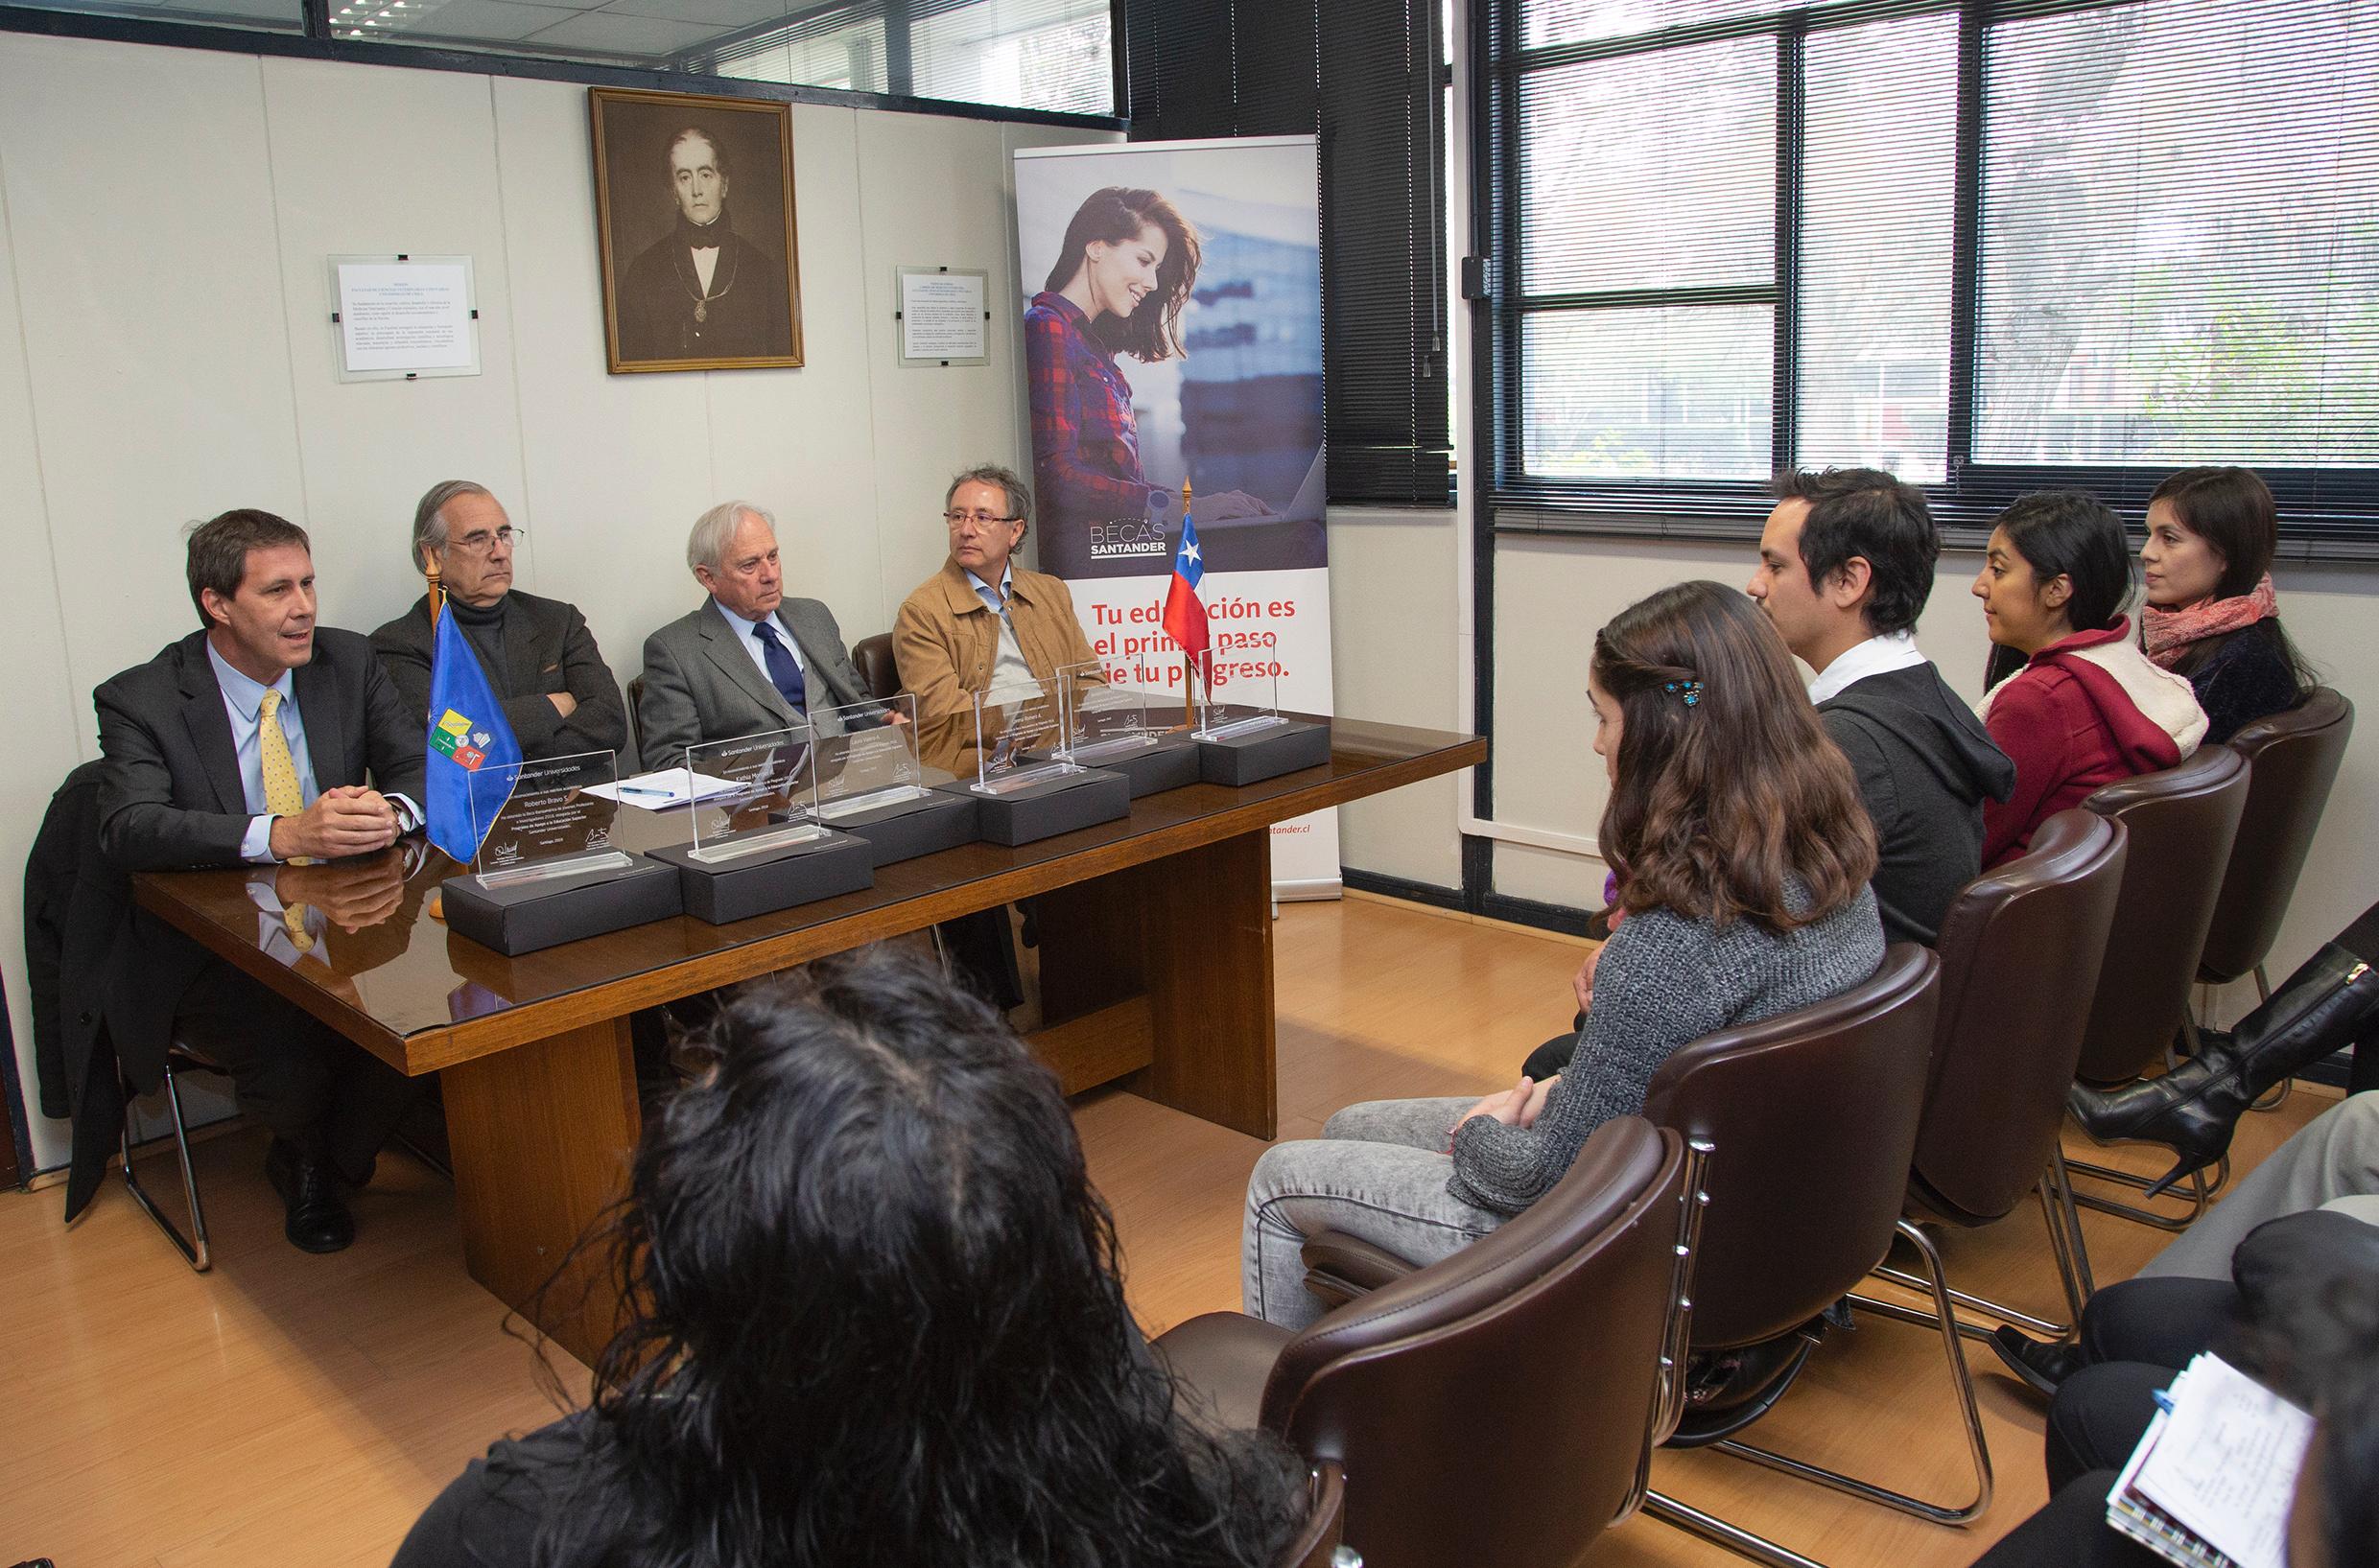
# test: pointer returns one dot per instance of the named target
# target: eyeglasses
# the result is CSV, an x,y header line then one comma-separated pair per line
x,y
481,541
979,518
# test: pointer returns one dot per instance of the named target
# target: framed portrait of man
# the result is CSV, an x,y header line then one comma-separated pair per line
x,y
693,211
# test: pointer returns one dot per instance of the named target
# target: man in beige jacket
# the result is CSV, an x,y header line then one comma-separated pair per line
x,y
981,621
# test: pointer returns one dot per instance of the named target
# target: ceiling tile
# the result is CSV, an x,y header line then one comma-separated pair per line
x,y
616,35
481,21
732,14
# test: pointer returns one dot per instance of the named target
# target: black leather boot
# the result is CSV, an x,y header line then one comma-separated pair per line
x,y
2193,1109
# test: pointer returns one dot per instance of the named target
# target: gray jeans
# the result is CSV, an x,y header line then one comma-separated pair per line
x,y
1378,1171
2336,1155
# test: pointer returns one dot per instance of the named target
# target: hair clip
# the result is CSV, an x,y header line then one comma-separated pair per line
x,y
1689,690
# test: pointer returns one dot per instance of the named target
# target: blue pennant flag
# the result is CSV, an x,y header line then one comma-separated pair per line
x,y
473,758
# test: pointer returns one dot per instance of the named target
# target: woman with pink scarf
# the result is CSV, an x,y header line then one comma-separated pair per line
x,y
2210,613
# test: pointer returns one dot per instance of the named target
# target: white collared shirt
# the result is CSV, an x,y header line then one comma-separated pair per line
x,y
1009,668
242,699
1876,656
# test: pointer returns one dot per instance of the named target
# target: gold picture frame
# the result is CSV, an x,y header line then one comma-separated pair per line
x,y
671,170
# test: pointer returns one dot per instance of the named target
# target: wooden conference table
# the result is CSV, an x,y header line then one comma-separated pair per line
x,y
1156,966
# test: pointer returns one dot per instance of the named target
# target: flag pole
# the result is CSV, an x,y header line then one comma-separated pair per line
x,y
1189,669
437,600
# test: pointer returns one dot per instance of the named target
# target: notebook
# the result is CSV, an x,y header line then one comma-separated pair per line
x,y
2210,1484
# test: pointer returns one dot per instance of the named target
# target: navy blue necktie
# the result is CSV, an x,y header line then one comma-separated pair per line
x,y
783,670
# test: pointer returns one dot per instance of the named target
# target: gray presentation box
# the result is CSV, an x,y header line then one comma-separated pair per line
x,y
1290,746
905,829
1043,810
723,892
516,918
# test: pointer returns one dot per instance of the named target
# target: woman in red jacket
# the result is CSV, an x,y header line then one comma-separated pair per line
x,y
2086,708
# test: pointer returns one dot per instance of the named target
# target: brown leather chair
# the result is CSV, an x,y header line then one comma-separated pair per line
x,y
2295,757
2020,947
1811,1119
872,656
2182,822
1536,1352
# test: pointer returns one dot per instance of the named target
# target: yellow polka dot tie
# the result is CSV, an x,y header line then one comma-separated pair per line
x,y
283,798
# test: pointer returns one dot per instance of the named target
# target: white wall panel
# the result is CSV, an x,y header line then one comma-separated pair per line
x,y
934,193
801,442
380,161
148,278
47,728
1396,656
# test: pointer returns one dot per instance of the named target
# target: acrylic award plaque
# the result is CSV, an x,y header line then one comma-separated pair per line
x,y
1024,790
772,804
546,871
873,783
758,846
1018,728
867,759
1104,721
1140,734
1249,704
550,826
1244,738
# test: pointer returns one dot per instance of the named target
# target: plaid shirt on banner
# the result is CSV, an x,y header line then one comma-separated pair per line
x,y
1086,446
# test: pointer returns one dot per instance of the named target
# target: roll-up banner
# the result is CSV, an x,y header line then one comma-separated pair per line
x,y
1172,303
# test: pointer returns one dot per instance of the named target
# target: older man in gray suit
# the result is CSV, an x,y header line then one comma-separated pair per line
x,y
750,660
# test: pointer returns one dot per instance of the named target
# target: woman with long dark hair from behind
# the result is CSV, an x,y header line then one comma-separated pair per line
x,y
2085,708
2209,612
1746,853
873,1317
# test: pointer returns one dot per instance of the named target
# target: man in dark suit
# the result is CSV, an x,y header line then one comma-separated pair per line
x,y
250,743
558,696
748,661
702,290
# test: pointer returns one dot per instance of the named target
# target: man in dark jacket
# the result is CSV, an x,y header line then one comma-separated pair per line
x,y
252,743
558,694
1845,565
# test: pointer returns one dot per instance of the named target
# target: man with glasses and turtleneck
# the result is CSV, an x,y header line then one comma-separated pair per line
x,y
558,696
702,290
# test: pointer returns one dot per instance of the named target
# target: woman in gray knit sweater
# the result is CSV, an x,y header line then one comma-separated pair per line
x,y
1745,853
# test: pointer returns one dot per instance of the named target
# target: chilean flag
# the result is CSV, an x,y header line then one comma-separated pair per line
x,y
1184,615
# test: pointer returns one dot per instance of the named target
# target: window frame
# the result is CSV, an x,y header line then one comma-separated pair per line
x,y
316,41
2327,513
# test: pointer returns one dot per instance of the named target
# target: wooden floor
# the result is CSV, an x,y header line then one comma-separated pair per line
x,y
295,1410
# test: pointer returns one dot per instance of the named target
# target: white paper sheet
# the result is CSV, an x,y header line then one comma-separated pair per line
x,y
2222,1463
668,786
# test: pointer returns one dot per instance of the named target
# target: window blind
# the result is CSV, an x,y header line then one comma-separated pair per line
x,y
2181,237
1991,248
1364,76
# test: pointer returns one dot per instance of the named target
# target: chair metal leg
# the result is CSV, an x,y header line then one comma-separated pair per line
x,y
1980,1304
1668,1401
192,1248
1717,1532
2263,985
1962,1376
2076,1247
2198,1193
2065,1246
